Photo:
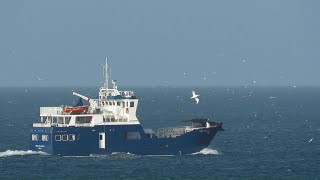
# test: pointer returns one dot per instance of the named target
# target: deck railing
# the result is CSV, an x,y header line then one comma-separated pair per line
x,y
126,93
41,125
51,110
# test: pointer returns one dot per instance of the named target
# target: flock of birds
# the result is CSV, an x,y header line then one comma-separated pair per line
x,y
196,98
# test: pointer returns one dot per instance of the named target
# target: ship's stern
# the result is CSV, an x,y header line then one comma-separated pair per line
x,y
40,139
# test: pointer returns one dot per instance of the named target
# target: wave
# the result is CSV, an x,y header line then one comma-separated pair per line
x,y
9,152
207,151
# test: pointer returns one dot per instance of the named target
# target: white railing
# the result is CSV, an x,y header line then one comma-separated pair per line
x,y
83,125
51,111
41,125
126,93
59,125
112,119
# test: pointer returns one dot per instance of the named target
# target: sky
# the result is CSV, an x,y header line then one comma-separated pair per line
x,y
160,43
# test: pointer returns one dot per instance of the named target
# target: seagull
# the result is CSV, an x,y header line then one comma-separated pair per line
x,y
310,140
195,97
39,79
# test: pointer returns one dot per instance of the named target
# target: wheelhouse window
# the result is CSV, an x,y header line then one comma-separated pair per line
x,y
49,119
57,137
34,137
54,120
118,103
60,120
83,119
109,119
45,137
67,119
72,137
105,119
65,137
131,104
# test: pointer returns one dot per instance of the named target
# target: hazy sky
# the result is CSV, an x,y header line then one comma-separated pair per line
x,y
180,42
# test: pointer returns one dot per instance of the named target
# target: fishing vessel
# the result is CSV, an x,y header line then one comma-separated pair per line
x,y
109,124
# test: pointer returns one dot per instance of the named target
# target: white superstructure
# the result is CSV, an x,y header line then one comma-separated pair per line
x,y
112,107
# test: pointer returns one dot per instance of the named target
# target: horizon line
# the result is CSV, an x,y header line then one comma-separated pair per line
x,y
63,86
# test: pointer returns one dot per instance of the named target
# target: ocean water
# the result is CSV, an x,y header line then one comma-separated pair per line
x,y
270,133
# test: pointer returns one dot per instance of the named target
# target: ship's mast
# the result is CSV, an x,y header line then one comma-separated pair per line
x,y
106,85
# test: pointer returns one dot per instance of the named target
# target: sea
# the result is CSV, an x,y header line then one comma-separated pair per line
x,y
270,133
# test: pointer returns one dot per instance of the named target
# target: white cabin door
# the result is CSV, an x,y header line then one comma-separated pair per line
x,y
102,140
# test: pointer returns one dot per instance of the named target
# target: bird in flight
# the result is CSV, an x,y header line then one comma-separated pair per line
x,y
195,97
310,140
38,78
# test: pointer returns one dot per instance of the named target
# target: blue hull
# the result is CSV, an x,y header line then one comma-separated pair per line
x,y
85,141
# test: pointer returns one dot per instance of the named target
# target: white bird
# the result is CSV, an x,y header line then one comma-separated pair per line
x,y
38,78
310,140
195,97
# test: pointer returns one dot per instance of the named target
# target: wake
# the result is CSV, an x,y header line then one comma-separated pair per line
x,y
207,151
9,152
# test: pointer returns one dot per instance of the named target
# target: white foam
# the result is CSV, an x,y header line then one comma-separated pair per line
x,y
9,152
130,154
207,151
